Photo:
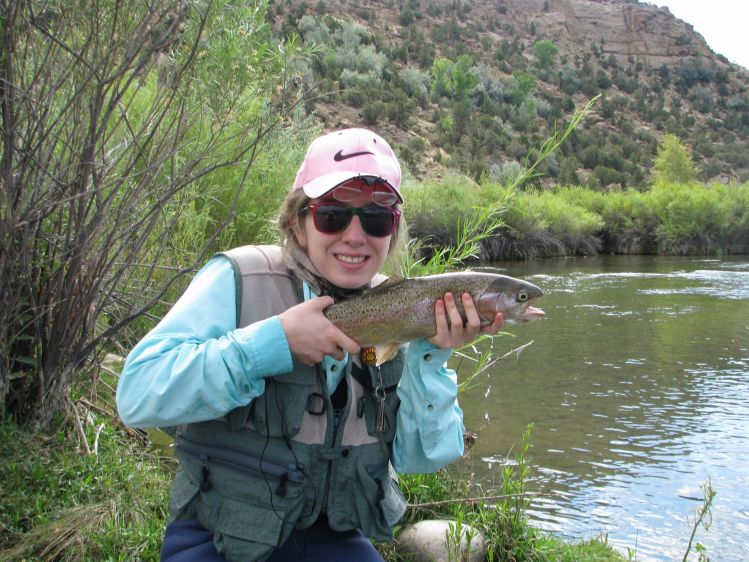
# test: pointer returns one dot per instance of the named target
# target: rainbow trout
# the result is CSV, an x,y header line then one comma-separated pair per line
x,y
401,310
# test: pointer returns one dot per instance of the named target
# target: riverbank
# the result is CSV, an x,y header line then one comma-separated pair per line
x,y
105,498
666,219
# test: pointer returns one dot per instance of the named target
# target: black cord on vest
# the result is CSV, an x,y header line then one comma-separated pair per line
x,y
281,489
287,440
262,456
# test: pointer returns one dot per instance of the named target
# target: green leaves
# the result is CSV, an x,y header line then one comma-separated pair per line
x,y
673,162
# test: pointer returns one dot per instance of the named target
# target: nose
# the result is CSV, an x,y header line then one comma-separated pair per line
x,y
354,233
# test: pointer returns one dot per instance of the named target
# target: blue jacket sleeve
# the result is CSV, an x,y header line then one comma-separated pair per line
x,y
429,433
196,365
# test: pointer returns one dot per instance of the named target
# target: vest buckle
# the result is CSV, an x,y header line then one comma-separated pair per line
x,y
316,404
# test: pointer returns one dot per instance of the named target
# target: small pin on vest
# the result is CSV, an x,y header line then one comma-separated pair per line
x,y
368,356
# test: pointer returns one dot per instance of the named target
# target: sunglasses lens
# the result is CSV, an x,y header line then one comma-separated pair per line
x,y
330,219
376,221
384,197
349,192
346,193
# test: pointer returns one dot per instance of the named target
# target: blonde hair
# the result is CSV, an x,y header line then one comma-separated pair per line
x,y
290,216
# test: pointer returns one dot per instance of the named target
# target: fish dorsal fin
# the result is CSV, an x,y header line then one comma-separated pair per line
x,y
487,269
389,283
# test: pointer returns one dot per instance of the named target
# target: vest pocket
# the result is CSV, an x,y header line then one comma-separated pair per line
x,y
393,505
280,410
380,503
184,490
250,502
245,531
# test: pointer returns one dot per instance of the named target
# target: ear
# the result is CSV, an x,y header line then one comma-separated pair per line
x,y
299,233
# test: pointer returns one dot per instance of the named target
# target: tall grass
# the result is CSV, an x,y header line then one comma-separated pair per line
x,y
59,504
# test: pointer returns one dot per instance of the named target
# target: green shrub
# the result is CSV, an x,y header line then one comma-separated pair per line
x,y
691,218
435,208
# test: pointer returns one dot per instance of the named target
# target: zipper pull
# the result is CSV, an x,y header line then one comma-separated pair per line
x,y
281,488
380,395
380,491
380,422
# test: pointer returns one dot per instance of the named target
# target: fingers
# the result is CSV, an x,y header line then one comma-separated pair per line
x,y
495,326
320,303
452,330
311,336
345,343
453,315
473,320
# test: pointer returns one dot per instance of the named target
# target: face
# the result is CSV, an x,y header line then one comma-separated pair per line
x,y
350,258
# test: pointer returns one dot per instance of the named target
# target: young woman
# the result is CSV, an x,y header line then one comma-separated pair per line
x,y
288,443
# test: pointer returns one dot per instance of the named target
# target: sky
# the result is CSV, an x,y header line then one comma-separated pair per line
x,y
723,24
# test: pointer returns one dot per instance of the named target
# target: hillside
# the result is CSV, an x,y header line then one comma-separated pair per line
x,y
480,85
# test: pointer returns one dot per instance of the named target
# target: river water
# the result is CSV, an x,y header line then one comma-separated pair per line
x,y
637,383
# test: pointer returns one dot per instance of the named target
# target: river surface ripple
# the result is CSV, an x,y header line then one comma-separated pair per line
x,y
637,383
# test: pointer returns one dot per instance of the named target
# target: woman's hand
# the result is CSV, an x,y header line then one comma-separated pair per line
x,y
451,332
311,335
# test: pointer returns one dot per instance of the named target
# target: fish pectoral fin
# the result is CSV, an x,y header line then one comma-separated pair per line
x,y
386,352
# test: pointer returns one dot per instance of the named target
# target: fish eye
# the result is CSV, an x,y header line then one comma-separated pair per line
x,y
522,296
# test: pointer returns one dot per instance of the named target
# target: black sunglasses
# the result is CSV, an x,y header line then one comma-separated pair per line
x,y
376,221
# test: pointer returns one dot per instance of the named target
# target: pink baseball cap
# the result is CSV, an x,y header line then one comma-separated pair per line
x,y
337,157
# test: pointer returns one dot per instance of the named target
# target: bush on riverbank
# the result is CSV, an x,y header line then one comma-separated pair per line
x,y
669,218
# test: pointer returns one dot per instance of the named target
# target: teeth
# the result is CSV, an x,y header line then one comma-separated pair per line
x,y
351,259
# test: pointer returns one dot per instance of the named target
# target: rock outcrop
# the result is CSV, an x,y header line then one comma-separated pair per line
x,y
630,31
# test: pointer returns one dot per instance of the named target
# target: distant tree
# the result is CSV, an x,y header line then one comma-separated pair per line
x,y
608,176
546,52
399,108
372,111
441,83
406,16
415,83
568,172
463,80
673,162
524,84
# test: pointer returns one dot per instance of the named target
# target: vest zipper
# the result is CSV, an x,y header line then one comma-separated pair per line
x,y
291,473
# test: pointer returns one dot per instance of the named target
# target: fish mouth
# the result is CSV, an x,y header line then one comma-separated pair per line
x,y
527,314
531,313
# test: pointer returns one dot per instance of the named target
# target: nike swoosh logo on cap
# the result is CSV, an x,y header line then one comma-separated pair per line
x,y
340,156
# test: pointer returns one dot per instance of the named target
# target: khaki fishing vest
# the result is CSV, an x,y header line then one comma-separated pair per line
x,y
287,458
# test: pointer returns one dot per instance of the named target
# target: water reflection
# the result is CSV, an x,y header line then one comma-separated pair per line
x,y
638,386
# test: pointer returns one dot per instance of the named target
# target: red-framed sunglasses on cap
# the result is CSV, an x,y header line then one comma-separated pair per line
x,y
381,193
376,220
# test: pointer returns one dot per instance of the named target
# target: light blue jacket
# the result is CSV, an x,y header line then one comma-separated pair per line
x,y
196,365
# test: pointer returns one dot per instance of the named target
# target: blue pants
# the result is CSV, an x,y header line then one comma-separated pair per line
x,y
189,541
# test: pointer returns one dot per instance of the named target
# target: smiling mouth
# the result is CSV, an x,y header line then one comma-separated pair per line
x,y
353,260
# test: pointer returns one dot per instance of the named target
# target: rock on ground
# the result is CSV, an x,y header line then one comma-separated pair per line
x,y
426,541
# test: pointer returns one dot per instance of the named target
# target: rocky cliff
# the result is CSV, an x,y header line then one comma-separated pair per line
x,y
630,31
